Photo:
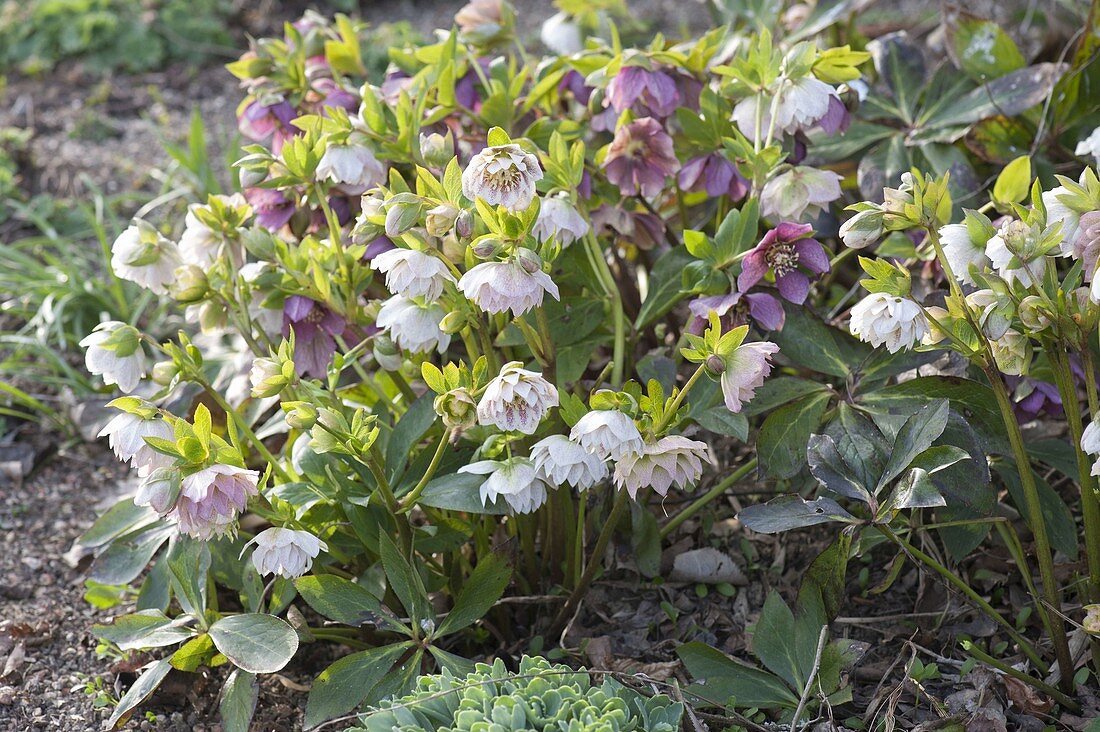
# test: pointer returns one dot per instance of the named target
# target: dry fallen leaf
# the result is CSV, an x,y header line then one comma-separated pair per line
x,y
15,660
707,565
1025,698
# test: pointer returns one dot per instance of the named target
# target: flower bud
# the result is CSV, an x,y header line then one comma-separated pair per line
x,y
251,177
863,229
164,372
400,217
190,285
487,248
159,490
529,260
436,149
441,219
1012,352
212,316
300,415
464,224
453,249
1033,314
386,353
457,409
269,377
715,364
453,322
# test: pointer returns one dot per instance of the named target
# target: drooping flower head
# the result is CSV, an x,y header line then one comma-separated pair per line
x,y
412,273
560,219
140,254
126,433
608,434
653,91
273,208
413,326
640,158
211,499
670,461
503,175
736,309
962,251
786,252
801,191
315,328
114,352
353,167
285,552
1010,253
561,461
1033,398
886,320
270,124
496,287
744,372
516,400
716,175
802,104
561,34
515,480
200,245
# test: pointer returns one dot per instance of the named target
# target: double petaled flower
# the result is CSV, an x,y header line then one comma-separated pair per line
x,y
114,352
561,461
412,273
503,175
887,320
285,552
640,158
607,434
126,433
140,254
670,461
413,326
211,499
516,400
654,91
499,286
515,480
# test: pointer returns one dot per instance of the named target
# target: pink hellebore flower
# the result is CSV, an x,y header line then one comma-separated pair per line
x,y
714,174
736,309
786,251
269,124
745,371
655,90
640,158
211,499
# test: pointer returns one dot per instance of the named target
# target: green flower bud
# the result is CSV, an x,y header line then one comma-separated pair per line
x,y
191,284
457,409
453,322
441,219
300,415
436,149
164,372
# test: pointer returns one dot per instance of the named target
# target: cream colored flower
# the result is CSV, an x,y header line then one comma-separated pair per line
x,y
504,175
285,552
515,480
561,461
670,461
895,322
496,287
607,434
412,326
516,400
412,273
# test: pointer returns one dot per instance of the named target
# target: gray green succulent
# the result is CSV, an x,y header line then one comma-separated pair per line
x,y
540,696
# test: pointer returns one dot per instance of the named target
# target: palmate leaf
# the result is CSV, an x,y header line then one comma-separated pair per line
x,y
916,435
483,588
832,471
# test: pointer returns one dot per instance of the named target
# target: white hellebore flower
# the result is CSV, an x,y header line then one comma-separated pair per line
x,y
140,254
962,251
412,326
558,218
413,273
115,353
744,372
560,461
499,286
516,400
561,34
607,433
126,433
1090,439
353,167
1090,146
285,552
200,245
802,190
1001,257
1058,212
211,499
670,461
882,319
515,480
504,175
801,104
1012,352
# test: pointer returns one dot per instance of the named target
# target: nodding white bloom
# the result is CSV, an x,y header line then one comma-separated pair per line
x,y
962,251
200,245
516,400
802,103
558,218
211,499
1090,439
607,434
412,326
1090,146
114,352
515,480
744,372
1058,212
285,552
140,254
561,34
412,273
1001,257
126,433
504,175
863,229
802,190
159,490
1012,352
499,286
353,167
559,461
895,322
670,461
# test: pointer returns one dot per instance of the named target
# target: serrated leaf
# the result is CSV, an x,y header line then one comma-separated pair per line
x,y
781,443
345,684
404,580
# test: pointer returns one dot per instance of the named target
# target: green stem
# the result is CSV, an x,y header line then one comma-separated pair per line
x,y
707,497
594,563
403,386
547,344
670,413
1050,610
410,499
1003,667
965,589
257,444
607,281
386,492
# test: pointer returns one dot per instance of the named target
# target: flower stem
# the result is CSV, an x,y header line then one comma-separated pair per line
x,y
594,563
1015,673
410,498
670,412
257,444
707,497
956,582
607,281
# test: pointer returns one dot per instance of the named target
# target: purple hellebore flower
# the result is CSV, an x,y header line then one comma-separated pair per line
x,y
376,247
605,120
836,119
640,158
1032,397
638,228
273,209
314,326
335,96
656,91
736,309
260,122
714,174
785,250
573,82
392,86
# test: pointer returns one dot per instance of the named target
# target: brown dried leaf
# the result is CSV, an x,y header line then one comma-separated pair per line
x,y
1026,698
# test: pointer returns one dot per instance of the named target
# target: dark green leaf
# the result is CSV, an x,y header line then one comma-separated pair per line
x,y
483,588
780,390
781,444
345,684
404,580
664,286
238,701
792,512
127,556
1009,95
121,518
828,466
916,435
727,679
408,431
145,629
189,562
344,601
809,342
724,422
459,492
142,689
1056,514
259,643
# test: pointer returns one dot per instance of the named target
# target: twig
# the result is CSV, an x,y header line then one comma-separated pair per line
x,y
812,677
